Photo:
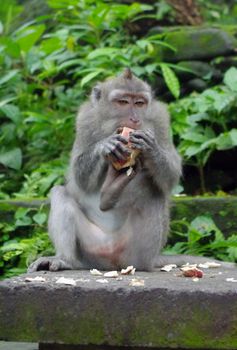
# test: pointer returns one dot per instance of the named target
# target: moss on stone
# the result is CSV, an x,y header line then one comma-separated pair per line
x,y
198,43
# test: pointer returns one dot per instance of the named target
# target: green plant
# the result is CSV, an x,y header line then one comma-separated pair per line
x,y
201,237
204,123
23,238
47,68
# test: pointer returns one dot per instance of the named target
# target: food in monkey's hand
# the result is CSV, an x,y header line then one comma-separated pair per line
x,y
131,160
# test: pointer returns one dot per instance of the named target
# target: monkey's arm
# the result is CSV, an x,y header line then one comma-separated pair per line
x,y
162,161
89,168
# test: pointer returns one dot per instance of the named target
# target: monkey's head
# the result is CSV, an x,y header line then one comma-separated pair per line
x,y
122,101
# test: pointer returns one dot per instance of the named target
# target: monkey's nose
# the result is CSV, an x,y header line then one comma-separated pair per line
x,y
135,120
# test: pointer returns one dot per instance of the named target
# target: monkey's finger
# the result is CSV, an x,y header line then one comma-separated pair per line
x,y
119,146
121,138
142,137
139,135
140,145
119,130
114,153
108,153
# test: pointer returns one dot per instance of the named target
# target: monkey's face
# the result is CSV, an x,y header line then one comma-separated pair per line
x,y
129,108
122,102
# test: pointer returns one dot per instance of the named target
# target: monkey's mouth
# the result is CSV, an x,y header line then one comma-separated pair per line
x,y
130,126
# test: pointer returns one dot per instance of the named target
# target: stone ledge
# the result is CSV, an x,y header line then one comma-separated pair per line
x,y
168,312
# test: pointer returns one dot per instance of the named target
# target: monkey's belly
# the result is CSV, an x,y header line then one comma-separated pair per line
x,y
112,220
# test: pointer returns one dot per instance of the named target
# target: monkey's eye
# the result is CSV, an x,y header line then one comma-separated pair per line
x,y
122,102
140,103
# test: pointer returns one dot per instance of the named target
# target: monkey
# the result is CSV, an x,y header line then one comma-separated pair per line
x,y
106,218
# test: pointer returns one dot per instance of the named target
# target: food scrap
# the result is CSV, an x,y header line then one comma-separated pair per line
x,y
209,265
111,274
101,280
68,281
231,279
137,282
130,270
35,279
191,272
168,268
95,272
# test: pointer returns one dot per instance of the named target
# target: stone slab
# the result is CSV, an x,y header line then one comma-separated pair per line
x,y
169,311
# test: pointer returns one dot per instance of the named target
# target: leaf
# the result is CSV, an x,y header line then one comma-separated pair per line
x,y
230,78
106,51
193,119
40,218
227,140
171,79
8,76
6,101
205,225
90,76
50,45
192,150
12,112
12,159
28,36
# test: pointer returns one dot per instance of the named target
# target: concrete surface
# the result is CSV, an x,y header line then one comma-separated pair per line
x,y
169,311
18,346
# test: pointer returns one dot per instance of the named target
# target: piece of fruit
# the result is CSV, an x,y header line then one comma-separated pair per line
x,y
192,272
131,160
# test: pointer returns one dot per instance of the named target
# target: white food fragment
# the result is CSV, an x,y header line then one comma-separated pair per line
x,y
119,278
137,282
102,280
190,266
196,279
209,265
129,171
68,281
130,270
111,274
83,280
95,272
168,268
231,279
35,279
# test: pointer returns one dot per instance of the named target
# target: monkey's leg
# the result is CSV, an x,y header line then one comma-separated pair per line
x,y
73,236
63,232
180,260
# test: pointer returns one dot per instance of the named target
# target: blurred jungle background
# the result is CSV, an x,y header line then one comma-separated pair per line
x,y
51,54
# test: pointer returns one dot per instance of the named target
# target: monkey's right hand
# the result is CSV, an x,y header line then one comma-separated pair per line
x,y
114,148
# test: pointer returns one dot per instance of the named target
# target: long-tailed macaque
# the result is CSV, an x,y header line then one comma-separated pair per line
x,y
106,218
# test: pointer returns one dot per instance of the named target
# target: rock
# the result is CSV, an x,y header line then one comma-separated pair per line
x,y
197,43
166,311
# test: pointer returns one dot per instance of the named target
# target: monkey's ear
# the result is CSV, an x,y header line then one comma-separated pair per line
x,y
95,94
127,74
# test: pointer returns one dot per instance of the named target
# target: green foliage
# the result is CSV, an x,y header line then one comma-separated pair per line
x,y
22,240
48,66
219,11
206,122
202,237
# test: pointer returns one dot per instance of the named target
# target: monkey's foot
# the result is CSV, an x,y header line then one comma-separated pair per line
x,y
50,263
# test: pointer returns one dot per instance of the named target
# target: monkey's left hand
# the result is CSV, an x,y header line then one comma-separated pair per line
x,y
144,141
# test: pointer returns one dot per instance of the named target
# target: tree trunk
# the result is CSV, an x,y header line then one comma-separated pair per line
x,y
187,11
